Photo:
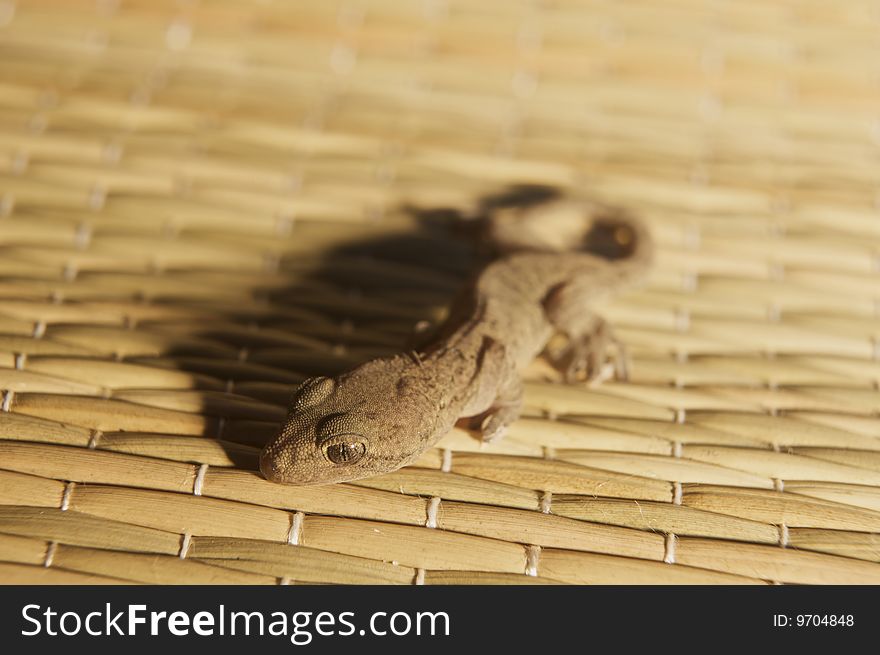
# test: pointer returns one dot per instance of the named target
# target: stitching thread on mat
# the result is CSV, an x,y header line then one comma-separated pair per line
x,y
69,272
65,498
200,480
681,319
50,554
94,437
97,197
284,225
776,271
546,502
446,461
783,535
20,162
7,203
689,282
420,577
184,545
7,400
533,557
82,236
669,548
431,511
112,151
294,535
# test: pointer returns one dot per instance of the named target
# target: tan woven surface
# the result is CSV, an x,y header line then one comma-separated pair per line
x,y
204,202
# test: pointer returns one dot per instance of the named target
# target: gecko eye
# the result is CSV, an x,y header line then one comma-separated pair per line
x,y
337,438
346,450
311,392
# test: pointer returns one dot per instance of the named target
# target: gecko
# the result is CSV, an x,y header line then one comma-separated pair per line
x,y
383,414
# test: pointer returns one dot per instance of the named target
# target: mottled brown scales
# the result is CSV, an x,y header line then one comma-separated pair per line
x,y
385,413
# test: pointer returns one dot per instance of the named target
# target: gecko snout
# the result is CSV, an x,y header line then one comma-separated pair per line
x,y
268,467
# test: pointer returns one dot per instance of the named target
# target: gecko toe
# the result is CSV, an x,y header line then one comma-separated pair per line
x,y
581,362
493,427
492,431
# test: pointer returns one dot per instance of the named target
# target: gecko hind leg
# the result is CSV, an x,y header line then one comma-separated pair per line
x,y
491,425
589,336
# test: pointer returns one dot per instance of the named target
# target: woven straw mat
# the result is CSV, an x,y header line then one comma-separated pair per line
x,y
201,204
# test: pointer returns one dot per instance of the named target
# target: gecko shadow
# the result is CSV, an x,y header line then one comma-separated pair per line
x,y
359,299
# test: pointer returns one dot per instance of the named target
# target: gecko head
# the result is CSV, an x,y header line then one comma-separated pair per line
x,y
331,433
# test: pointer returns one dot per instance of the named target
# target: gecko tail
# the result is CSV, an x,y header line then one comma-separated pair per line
x,y
557,223
617,235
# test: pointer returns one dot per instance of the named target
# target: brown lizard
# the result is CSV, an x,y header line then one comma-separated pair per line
x,y
383,414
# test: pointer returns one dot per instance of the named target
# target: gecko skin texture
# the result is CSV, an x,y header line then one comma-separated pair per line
x,y
385,413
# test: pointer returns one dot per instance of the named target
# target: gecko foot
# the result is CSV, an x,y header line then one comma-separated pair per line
x,y
583,359
494,427
491,425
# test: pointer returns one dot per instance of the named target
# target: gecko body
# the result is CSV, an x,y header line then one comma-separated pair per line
x,y
384,414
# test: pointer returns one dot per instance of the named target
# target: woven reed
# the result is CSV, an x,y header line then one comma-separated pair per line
x,y
202,204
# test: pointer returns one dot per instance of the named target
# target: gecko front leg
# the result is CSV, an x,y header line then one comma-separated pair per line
x,y
504,411
491,425
498,394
